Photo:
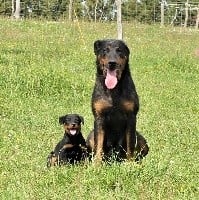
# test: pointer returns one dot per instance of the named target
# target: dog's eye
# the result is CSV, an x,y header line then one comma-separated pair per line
x,y
77,121
105,50
118,50
68,120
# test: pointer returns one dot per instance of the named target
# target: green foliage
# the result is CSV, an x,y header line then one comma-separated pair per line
x,y
145,11
5,7
48,69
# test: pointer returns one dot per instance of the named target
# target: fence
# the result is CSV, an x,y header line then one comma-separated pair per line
x,y
183,14
176,14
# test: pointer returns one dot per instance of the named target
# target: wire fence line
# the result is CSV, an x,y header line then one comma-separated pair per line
x,y
157,11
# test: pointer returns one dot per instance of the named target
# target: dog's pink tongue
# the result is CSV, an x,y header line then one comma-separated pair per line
x,y
111,79
73,131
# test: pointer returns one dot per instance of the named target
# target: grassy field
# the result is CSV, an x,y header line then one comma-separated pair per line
x,y
48,69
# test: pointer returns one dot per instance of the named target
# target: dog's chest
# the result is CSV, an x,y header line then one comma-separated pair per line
x,y
75,140
115,106
115,119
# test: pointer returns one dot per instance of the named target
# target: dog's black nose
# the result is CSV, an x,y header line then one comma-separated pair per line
x,y
112,65
73,124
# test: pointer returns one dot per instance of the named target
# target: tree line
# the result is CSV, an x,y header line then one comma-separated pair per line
x,y
147,11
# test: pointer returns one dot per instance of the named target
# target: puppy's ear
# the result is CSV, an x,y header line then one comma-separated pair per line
x,y
62,119
97,46
81,119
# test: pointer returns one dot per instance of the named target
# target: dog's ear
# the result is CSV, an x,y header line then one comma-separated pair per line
x,y
62,119
81,119
97,46
127,49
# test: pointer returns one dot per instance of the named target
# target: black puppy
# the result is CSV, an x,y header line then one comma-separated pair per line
x,y
72,148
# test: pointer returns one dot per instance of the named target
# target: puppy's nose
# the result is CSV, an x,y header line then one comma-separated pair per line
x,y
73,125
112,65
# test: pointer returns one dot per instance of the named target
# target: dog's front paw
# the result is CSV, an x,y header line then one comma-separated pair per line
x,y
52,160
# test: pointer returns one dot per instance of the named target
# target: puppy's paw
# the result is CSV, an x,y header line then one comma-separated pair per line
x,y
52,160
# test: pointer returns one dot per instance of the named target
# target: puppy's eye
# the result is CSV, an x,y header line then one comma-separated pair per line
x,y
68,120
77,121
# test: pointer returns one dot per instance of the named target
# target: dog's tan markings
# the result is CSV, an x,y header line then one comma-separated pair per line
x,y
66,127
128,105
91,143
129,153
53,160
66,146
99,146
103,62
70,126
102,59
101,105
122,62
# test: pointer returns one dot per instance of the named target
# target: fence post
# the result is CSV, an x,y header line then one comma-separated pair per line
x,y
119,19
162,13
186,13
17,9
197,18
70,8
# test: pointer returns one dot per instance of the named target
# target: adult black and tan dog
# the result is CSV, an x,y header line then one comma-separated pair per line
x,y
115,102
72,148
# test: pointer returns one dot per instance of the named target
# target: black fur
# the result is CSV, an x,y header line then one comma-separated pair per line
x,y
72,148
115,102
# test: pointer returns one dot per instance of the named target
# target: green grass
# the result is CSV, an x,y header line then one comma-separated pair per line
x,y
48,69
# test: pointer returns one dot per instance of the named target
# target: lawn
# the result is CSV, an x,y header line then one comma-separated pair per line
x,y
47,69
